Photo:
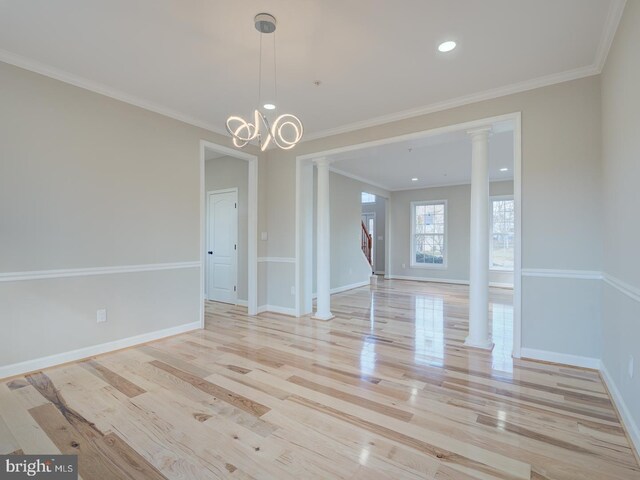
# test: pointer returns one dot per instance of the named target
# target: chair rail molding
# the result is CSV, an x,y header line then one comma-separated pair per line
x,y
88,271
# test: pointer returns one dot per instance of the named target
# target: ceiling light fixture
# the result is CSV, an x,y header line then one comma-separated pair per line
x,y
286,130
504,169
447,46
414,179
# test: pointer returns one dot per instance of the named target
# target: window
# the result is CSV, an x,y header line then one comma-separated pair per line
x,y
428,234
502,233
368,197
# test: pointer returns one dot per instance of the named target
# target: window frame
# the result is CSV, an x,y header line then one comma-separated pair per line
x,y
412,246
368,203
492,199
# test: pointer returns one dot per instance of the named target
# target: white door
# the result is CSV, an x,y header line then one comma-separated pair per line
x,y
222,248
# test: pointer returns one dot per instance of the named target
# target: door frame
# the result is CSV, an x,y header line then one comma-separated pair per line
x,y
252,220
304,208
207,238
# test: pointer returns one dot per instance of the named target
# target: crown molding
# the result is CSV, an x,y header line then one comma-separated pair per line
x,y
358,178
614,15
57,74
612,21
460,101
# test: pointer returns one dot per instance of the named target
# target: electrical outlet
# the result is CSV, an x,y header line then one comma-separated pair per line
x,y
631,366
101,315
264,236
404,265
293,290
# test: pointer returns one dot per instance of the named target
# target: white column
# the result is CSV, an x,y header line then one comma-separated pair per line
x,y
479,252
323,245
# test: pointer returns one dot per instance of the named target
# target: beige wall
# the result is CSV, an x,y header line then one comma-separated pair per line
x,y
621,177
229,172
561,194
349,266
87,181
458,199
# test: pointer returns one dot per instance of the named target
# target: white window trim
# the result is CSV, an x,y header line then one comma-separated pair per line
x,y
412,246
375,198
491,200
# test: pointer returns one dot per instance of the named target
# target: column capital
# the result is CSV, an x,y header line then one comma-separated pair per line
x,y
322,161
480,131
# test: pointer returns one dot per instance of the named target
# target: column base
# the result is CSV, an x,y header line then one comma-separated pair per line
x,y
486,345
321,316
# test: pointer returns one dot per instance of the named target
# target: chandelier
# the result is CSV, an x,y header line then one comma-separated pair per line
x,y
286,130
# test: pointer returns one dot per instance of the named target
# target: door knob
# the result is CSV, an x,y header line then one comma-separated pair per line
x,y
210,252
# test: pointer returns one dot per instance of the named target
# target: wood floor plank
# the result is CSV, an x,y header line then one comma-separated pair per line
x,y
243,403
98,456
122,384
384,390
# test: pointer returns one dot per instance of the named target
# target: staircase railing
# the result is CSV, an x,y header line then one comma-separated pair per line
x,y
366,243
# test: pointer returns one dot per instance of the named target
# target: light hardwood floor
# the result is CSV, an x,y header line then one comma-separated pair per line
x,y
384,390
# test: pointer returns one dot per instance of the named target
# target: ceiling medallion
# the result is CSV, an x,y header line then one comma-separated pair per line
x,y
286,130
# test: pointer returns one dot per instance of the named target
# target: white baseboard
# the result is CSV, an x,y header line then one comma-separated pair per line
x,y
74,355
242,303
344,288
427,279
627,419
500,285
562,358
277,309
445,280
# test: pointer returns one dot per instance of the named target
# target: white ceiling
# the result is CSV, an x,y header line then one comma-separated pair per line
x,y
196,60
437,160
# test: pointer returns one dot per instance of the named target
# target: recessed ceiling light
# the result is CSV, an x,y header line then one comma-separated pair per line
x,y
414,179
447,46
504,169
269,106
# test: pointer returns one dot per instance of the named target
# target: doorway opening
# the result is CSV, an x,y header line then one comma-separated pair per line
x,y
229,192
422,253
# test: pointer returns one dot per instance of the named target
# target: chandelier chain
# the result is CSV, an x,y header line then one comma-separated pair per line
x,y
260,73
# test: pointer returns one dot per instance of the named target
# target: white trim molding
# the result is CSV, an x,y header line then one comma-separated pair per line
x,y
555,273
276,260
291,312
614,15
75,355
427,279
606,39
99,88
84,272
360,179
561,358
252,222
626,418
623,287
346,288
